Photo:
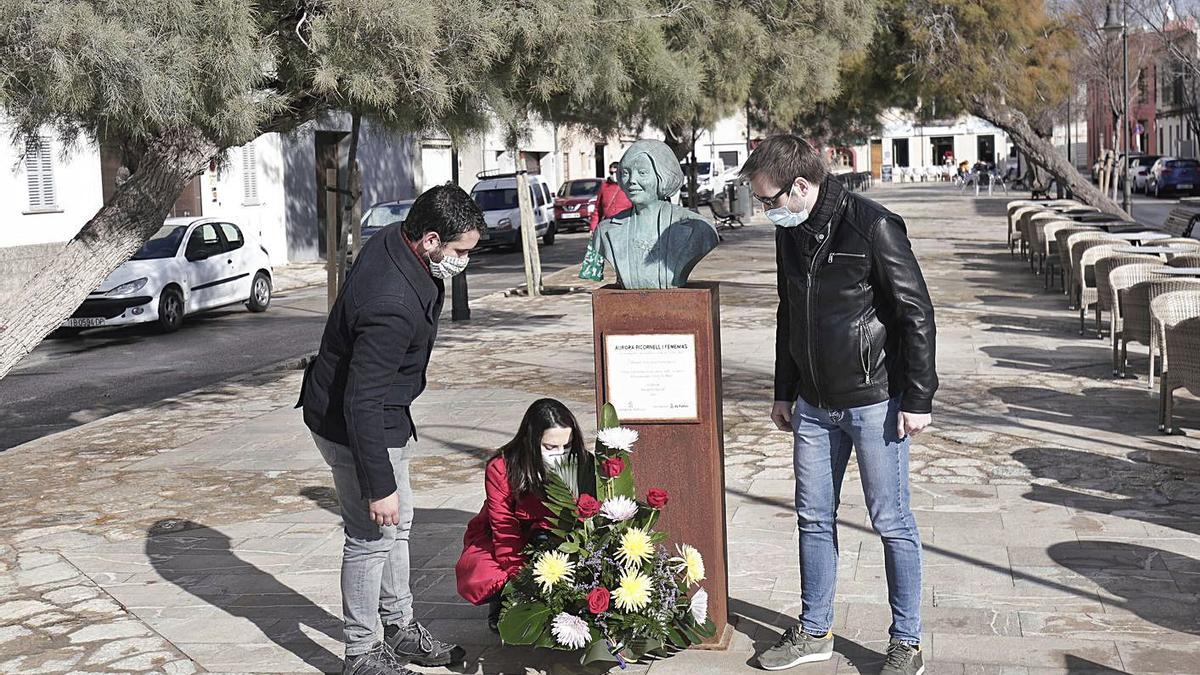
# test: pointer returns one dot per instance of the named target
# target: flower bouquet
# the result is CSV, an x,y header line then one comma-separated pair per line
x,y
603,583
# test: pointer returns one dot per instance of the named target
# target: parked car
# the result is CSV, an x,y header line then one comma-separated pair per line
x,y
383,214
190,265
575,202
710,180
496,195
1139,168
1172,174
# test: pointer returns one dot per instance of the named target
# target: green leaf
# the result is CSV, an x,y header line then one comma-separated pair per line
x,y
597,651
568,547
640,647
524,624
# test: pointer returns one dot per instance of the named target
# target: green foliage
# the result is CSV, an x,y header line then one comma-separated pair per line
x,y
524,624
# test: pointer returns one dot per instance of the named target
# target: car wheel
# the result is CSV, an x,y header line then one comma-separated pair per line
x,y
170,310
548,238
260,293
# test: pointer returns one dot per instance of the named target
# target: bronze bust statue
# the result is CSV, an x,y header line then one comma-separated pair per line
x,y
655,244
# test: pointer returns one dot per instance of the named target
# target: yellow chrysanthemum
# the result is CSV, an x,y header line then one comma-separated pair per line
x,y
633,591
636,547
552,568
691,564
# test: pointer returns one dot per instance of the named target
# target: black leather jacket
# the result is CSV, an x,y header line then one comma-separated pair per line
x,y
855,323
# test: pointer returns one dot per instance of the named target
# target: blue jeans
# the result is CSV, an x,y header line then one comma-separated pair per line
x,y
375,573
823,440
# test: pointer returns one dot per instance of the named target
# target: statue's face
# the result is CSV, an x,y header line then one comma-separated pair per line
x,y
639,180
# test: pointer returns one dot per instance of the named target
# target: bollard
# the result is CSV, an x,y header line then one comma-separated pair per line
x,y
460,308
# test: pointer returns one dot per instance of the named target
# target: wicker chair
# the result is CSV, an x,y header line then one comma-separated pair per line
x,y
1086,276
1131,311
1076,245
1014,230
1048,265
1179,313
1155,289
1105,267
1013,207
1179,241
1063,249
1033,235
1022,233
1188,260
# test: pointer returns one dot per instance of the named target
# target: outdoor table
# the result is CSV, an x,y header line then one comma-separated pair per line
x,y
1179,271
1140,236
1167,251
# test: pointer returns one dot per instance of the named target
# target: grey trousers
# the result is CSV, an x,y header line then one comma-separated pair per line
x,y
374,559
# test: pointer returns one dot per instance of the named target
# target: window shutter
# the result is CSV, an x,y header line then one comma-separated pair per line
x,y
39,175
249,176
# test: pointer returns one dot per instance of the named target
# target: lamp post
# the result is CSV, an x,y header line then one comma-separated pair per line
x,y
1112,26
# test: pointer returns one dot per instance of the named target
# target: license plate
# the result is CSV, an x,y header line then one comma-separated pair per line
x,y
1185,186
84,323
571,215
484,236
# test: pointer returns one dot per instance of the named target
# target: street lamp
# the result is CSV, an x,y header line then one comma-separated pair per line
x,y
1112,26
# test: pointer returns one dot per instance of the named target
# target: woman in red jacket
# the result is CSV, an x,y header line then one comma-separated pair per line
x,y
513,509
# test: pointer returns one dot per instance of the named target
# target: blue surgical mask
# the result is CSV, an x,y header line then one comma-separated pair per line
x,y
782,216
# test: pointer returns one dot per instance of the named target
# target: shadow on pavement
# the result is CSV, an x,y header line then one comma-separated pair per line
x,y
191,555
765,626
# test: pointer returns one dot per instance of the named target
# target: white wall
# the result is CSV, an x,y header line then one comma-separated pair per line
x,y
264,217
77,186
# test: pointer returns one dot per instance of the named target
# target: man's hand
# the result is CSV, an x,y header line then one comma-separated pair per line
x,y
911,424
781,415
386,511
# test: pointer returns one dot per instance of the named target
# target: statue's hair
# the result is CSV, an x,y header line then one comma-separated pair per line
x,y
666,167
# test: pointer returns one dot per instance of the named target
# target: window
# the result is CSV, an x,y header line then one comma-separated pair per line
x,y
39,174
204,242
536,193
729,158
1142,88
546,198
233,236
249,176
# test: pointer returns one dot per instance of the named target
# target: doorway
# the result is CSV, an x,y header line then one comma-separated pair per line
x,y
943,149
900,151
601,165
877,158
986,149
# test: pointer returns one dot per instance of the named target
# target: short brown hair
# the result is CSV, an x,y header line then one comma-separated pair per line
x,y
785,158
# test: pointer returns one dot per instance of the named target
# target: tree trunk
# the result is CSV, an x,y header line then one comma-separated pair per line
x,y
135,211
1042,153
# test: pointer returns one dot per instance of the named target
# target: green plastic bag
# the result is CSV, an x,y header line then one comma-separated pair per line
x,y
592,268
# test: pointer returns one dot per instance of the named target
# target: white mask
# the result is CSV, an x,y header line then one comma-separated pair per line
x,y
782,216
551,458
448,266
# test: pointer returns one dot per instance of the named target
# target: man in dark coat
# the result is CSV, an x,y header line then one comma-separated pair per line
x,y
357,395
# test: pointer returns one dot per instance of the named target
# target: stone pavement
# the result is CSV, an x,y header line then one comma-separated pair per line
x,y
1060,529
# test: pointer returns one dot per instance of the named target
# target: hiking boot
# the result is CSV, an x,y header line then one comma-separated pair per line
x,y
379,661
903,659
796,647
414,644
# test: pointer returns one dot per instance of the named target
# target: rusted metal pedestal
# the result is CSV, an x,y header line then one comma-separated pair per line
x,y
685,457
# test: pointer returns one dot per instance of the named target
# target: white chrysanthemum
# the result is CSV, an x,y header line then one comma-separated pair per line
x,y
690,564
699,607
618,438
619,508
571,631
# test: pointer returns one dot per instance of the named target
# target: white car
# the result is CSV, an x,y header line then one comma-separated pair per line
x,y
496,196
188,266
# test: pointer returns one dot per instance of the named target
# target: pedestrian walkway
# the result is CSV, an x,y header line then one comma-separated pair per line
x,y
1060,529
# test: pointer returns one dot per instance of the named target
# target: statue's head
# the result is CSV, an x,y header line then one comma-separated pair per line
x,y
649,172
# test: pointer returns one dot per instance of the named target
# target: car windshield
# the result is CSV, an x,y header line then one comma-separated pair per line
x,y
164,243
386,214
702,168
579,188
1146,161
496,200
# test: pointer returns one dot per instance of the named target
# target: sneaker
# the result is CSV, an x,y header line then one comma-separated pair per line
x,y
379,661
903,659
796,647
414,644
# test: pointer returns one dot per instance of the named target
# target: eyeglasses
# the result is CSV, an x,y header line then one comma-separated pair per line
x,y
770,202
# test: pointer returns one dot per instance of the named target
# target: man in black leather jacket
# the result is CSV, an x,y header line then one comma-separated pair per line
x,y
854,369
356,397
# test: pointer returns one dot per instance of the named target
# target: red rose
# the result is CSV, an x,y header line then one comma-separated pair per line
x,y
656,498
598,600
613,467
586,506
